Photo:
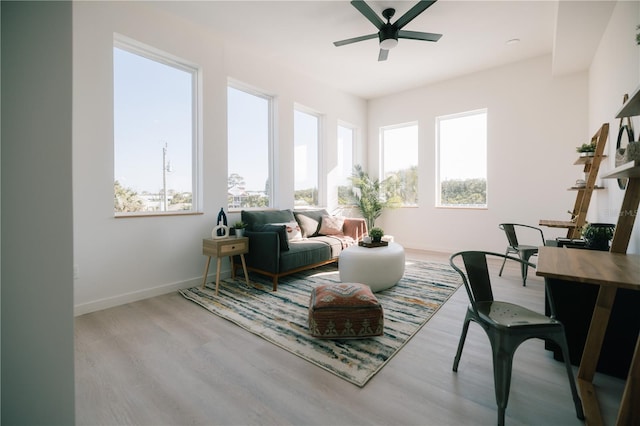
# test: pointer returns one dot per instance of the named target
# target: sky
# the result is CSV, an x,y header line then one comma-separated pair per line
x,y
463,146
152,109
153,114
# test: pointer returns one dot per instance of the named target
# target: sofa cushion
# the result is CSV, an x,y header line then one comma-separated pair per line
x,y
308,225
331,225
280,229
263,217
304,252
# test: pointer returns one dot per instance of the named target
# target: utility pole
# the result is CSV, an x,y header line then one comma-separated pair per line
x,y
166,167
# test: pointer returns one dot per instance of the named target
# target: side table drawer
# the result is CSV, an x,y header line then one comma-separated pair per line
x,y
235,248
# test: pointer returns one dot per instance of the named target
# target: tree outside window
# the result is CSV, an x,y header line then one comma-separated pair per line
x,y
462,160
400,163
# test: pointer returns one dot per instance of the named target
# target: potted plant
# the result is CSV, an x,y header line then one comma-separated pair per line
x,y
598,235
239,228
376,234
586,149
368,197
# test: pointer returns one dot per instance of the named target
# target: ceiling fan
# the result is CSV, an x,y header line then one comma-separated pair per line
x,y
389,33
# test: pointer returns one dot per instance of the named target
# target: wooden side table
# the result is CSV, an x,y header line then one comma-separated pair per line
x,y
224,247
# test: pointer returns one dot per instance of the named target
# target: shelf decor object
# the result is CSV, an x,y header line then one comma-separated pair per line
x,y
583,198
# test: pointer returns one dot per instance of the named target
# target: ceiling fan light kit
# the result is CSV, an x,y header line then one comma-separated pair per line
x,y
389,33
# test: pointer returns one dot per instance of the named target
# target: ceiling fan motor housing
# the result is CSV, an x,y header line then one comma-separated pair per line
x,y
388,36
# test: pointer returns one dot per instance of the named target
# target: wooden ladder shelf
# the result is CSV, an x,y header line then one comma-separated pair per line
x,y
583,198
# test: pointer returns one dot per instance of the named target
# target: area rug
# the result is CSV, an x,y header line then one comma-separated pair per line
x,y
281,317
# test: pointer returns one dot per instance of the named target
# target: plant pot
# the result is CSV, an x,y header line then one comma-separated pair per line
x,y
376,239
239,232
598,239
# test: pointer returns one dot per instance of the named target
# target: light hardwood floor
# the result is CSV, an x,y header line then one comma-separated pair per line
x,y
167,361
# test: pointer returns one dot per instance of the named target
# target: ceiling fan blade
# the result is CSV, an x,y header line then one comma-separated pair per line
x,y
382,56
413,12
368,13
354,40
416,35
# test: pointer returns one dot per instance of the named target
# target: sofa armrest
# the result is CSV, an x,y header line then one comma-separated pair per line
x,y
264,250
355,228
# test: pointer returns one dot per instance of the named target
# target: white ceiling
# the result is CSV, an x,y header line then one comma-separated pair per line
x,y
300,35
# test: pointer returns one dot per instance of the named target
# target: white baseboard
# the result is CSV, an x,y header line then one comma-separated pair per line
x,y
134,296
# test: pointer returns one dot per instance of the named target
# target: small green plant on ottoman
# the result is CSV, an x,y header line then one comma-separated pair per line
x,y
376,234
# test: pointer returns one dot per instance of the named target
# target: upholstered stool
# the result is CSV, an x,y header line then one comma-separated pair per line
x,y
379,267
344,311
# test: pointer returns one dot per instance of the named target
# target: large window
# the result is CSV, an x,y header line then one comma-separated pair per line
x,y
462,160
155,136
249,141
346,137
306,158
399,146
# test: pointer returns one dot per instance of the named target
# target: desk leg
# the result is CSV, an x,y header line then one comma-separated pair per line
x,y
591,353
206,272
218,263
631,396
244,268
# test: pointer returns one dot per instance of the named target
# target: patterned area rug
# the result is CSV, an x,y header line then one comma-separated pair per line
x,y
282,317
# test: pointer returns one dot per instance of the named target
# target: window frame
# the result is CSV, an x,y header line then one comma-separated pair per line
x,y
438,168
354,135
382,144
157,55
319,155
271,100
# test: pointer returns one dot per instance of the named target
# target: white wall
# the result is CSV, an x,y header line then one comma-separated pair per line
x,y
121,260
615,70
535,121
37,253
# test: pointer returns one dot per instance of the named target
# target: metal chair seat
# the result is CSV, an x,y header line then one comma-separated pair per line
x,y
509,315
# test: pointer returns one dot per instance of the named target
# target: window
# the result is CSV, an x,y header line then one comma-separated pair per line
x,y
399,146
155,138
345,164
462,160
306,134
249,148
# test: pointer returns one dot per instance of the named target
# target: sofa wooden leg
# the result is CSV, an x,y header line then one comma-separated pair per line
x,y
275,283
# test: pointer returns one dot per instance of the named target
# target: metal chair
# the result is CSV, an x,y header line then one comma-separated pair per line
x,y
507,325
522,250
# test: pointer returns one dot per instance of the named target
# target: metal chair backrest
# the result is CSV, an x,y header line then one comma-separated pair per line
x,y
476,275
510,230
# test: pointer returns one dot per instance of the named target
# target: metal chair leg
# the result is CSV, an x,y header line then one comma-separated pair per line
x,y
503,262
463,337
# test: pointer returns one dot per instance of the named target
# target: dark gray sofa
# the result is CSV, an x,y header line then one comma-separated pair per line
x,y
271,254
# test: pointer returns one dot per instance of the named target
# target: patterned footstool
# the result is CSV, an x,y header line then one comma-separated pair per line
x,y
344,311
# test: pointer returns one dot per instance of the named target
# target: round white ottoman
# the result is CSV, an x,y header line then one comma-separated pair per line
x,y
378,267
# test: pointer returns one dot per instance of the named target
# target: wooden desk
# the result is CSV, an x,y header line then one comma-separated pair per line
x,y
224,247
610,271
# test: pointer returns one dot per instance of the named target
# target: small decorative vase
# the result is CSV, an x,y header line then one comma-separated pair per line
x,y
222,221
220,231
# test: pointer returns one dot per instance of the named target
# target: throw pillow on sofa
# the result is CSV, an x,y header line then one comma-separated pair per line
x,y
292,229
308,226
331,225
280,229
